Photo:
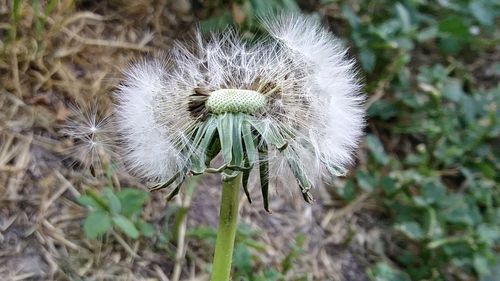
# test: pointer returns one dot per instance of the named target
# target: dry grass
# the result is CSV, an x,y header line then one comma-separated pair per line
x,y
76,58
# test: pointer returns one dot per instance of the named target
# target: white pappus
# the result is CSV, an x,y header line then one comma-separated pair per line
x,y
289,101
94,139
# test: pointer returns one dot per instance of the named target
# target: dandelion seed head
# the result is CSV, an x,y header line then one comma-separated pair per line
x,y
296,93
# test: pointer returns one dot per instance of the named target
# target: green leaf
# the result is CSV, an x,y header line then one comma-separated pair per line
x,y
377,149
132,201
452,90
146,229
489,233
383,109
384,272
366,181
242,259
351,17
430,193
482,13
459,210
404,17
388,185
367,59
453,26
481,264
96,223
453,34
451,45
411,229
126,226
427,34
262,7
270,274
216,23
471,109
203,233
348,191
495,272
113,201
90,202
290,6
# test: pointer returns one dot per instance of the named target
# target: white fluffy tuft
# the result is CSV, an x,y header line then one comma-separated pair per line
x,y
333,87
94,140
303,68
149,152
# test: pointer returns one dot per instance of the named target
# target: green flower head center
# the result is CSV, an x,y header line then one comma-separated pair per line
x,y
235,101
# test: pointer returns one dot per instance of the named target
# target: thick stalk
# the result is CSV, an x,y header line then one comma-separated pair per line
x,y
226,231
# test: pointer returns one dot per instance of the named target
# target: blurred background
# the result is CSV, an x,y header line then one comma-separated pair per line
x,y
422,202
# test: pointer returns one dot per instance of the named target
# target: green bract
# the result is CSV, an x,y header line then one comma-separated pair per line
x,y
244,142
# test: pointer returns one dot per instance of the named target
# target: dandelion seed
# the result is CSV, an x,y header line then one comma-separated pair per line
x,y
94,140
290,102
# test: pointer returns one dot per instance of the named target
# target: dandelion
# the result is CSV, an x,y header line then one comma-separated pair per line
x,y
289,103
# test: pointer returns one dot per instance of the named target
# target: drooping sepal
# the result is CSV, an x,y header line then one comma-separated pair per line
x,y
264,177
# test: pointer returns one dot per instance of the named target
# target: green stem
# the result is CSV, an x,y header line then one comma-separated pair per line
x,y
226,231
